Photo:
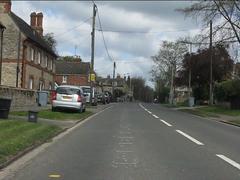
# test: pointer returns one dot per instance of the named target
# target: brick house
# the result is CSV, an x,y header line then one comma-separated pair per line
x,y
74,72
25,51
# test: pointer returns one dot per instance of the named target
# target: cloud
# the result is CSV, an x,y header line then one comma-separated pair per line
x,y
71,24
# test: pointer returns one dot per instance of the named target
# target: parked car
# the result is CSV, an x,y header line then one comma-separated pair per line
x,y
68,97
101,98
87,92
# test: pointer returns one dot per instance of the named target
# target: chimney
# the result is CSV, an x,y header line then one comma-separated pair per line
x,y
33,20
36,22
5,6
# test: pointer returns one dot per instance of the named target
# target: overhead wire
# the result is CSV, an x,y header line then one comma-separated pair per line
x,y
67,31
104,41
142,32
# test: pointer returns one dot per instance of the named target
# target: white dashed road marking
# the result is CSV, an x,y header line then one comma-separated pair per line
x,y
166,123
190,138
155,116
233,163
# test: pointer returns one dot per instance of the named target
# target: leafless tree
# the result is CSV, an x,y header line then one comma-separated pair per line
x,y
224,14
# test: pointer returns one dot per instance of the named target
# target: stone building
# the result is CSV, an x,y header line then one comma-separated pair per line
x,y
106,83
72,72
25,51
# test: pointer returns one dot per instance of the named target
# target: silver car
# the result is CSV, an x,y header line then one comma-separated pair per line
x,y
68,97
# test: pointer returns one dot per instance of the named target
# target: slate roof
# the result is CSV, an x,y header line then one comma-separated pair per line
x,y
72,67
31,33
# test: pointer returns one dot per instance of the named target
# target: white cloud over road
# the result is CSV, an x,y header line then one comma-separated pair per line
x,y
131,50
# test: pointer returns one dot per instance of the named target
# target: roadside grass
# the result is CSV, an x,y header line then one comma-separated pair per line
x,y
16,136
237,122
60,115
212,111
198,112
219,110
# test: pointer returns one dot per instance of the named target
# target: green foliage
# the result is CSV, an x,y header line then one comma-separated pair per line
x,y
227,90
199,63
161,93
51,41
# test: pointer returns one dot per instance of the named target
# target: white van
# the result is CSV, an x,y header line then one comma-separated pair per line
x,y
87,92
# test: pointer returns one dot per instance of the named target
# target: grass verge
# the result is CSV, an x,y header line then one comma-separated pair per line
x,y
16,136
236,122
48,114
199,112
219,110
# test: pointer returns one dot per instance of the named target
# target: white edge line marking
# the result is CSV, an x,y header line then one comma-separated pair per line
x,y
233,163
190,138
17,165
166,123
155,116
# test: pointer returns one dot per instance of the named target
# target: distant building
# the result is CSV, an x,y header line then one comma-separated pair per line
x,y
72,72
106,83
24,45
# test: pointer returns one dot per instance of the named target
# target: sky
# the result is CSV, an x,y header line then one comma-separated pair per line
x,y
133,30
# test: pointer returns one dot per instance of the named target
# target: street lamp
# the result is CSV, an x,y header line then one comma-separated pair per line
x,y
2,28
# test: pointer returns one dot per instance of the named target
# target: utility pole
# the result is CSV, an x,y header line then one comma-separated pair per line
x,y
211,68
92,51
114,67
190,72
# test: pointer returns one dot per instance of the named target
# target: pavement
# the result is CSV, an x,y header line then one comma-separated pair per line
x,y
132,141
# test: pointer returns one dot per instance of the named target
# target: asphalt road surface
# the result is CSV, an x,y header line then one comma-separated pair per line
x,y
132,141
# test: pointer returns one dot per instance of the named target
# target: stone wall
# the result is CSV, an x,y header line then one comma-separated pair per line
x,y
11,38
21,98
9,72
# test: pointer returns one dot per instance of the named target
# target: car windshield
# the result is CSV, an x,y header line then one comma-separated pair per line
x,y
67,90
86,90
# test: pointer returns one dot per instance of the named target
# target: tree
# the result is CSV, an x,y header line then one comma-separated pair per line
x,y
224,14
51,41
141,92
70,58
200,69
167,62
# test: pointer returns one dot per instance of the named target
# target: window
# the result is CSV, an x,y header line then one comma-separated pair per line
x,y
32,54
30,83
46,61
50,64
41,85
39,57
64,80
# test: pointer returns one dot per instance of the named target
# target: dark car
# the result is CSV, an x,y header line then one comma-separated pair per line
x,y
101,98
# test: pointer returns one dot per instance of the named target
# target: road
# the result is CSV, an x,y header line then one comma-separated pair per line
x,y
132,141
